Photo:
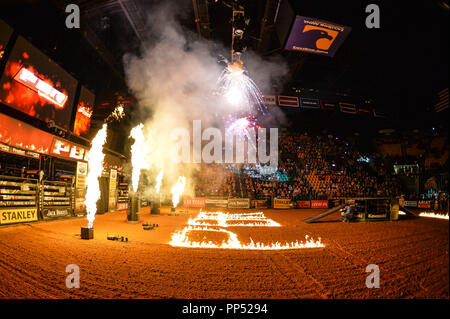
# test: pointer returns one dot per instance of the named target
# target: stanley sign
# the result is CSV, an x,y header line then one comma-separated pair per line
x,y
18,215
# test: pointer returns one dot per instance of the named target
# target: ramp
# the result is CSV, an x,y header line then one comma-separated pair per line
x,y
322,215
407,211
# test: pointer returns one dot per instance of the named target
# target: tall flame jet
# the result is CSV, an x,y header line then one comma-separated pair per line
x,y
137,158
177,190
95,168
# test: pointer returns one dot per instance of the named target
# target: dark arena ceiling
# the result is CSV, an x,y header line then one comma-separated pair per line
x,y
400,66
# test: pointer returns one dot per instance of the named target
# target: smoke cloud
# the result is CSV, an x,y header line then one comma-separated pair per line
x,y
174,78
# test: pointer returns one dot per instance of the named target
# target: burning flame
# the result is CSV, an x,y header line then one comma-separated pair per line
x,y
177,190
159,181
95,167
222,219
137,159
433,215
181,238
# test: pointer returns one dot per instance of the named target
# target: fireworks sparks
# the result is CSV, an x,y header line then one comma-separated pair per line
x,y
239,90
117,114
202,223
137,158
177,190
433,215
95,169
159,181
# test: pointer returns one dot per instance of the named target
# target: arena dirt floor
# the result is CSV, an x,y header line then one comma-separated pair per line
x,y
412,255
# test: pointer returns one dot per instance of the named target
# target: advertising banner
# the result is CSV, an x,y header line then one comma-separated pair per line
x,y
85,108
282,203
288,101
216,202
112,199
194,202
308,103
270,100
319,203
303,204
328,105
68,150
364,111
259,203
18,215
80,177
316,36
122,206
239,203
424,204
410,203
37,86
347,108
53,213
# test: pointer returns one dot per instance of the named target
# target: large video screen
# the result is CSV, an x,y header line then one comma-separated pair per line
x,y
5,33
85,108
35,85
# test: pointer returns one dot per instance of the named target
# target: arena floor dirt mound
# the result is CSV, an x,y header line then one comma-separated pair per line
x,y
412,255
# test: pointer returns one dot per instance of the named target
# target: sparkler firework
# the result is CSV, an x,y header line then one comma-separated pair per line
x,y
240,91
95,168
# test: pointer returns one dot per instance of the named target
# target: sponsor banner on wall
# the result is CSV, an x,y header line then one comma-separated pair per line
x,y
364,111
303,204
18,215
424,204
288,101
347,108
376,215
319,203
410,203
259,203
18,151
69,150
80,177
216,202
194,202
328,105
316,36
282,203
308,103
112,190
122,206
52,213
239,203
270,100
